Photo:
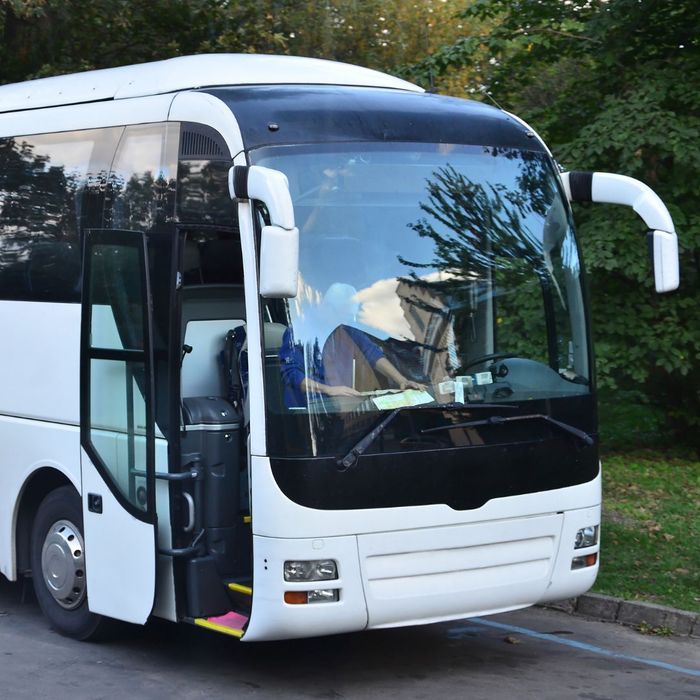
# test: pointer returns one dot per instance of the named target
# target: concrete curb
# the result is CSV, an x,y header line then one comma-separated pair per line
x,y
643,616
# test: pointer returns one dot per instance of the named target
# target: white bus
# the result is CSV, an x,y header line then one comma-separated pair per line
x,y
292,348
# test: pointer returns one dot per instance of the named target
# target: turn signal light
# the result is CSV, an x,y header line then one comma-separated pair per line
x,y
585,561
296,597
319,595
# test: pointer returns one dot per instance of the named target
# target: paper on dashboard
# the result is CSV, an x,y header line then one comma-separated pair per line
x,y
409,397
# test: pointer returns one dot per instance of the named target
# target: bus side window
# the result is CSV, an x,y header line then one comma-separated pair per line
x,y
142,179
43,182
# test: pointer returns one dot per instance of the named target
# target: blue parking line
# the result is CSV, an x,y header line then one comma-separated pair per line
x,y
457,632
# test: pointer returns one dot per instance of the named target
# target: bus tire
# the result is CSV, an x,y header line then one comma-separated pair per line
x,y
58,566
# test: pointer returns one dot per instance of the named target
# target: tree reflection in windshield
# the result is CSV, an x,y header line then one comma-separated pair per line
x,y
453,254
497,240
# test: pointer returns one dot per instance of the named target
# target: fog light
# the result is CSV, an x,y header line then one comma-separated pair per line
x,y
583,562
586,537
318,570
323,595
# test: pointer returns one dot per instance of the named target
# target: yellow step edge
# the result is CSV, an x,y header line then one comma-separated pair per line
x,y
247,519
240,588
218,628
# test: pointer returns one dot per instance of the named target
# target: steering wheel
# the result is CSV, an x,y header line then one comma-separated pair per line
x,y
490,356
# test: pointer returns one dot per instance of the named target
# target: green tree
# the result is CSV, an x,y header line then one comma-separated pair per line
x,y
612,86
48,37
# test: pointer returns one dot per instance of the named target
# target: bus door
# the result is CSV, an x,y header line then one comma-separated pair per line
x,y
117,426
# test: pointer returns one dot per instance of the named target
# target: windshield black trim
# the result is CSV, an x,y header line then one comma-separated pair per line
x,y
460,478
323,113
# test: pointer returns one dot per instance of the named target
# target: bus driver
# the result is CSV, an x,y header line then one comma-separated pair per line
x,y
309,367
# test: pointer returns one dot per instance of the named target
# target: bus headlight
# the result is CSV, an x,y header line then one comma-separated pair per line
x,y
586,537
316,570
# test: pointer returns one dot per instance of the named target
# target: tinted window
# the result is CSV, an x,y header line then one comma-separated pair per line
x,y
142,178
203,196
141,197
51,187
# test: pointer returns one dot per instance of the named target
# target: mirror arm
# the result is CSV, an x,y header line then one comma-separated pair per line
x,y
279,241
611,188
268,186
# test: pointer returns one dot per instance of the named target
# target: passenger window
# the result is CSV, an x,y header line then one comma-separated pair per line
x,y
142,178
42,185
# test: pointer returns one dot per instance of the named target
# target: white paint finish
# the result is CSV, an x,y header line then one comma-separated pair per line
x,y
276,516
666,265
255,353
187,72
611,188
272,618
201,108
26,447
164,605
270,187
39,360
87,116
433,574
279,262
566,583
507,551
120,559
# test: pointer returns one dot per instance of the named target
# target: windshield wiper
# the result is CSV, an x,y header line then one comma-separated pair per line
x,y
500,420
351,457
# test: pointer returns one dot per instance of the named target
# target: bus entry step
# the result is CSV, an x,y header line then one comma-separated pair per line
x,y
231,623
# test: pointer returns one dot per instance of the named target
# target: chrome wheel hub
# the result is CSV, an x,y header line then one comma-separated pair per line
x,y
63,564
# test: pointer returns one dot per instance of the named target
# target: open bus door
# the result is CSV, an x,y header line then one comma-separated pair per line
x,y
117,426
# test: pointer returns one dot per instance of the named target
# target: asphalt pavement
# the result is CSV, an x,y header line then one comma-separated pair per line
x,y
533,653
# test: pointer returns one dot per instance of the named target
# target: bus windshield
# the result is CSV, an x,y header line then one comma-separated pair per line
x,y
428,273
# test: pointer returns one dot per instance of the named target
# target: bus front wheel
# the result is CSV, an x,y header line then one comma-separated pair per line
x,y
58,566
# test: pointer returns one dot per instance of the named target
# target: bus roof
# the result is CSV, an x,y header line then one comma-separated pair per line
x,y
188,72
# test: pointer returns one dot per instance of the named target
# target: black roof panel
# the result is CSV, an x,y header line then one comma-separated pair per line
x,y
284,114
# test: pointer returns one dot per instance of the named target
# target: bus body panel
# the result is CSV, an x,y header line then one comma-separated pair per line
x,y
272,618
28,446
409,577
510,553
413,575
86,116
258,444
39,411
112,534
186,72
202,108
40,361
277,516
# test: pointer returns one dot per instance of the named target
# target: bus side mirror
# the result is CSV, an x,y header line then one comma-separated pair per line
x,y
279,245
610,188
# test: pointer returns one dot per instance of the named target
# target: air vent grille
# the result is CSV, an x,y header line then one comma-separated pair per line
x,y
202,143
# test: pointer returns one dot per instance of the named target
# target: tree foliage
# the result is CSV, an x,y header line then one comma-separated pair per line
x,y
48,37
612,86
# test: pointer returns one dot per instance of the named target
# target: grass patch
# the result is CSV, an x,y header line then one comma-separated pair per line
x,y
651,529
